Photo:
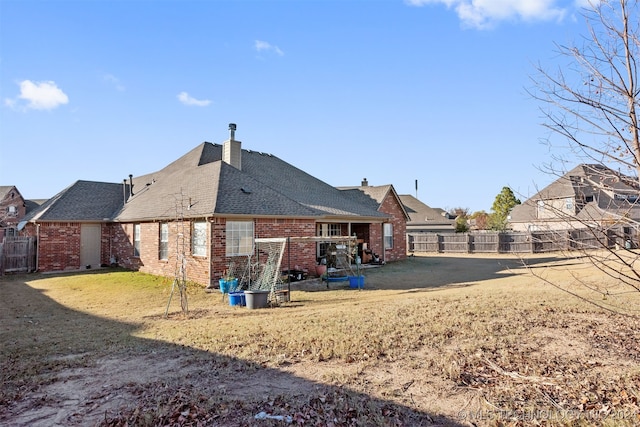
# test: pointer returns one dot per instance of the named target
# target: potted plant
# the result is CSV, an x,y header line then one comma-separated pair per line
x,y
321,268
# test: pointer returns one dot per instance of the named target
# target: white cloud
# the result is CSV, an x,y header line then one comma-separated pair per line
x,y
110,78
483,14
187,99
261,45
39,96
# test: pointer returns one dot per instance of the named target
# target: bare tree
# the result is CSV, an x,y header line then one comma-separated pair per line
x,y
591,103
594,106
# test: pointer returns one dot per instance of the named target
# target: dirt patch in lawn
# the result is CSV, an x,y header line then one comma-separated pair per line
x,y
434,340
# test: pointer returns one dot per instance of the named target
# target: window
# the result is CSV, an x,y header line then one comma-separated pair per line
x,y
12,210
164,241
568,203
631,198
136,240
239,238
388,235
199,239
326,230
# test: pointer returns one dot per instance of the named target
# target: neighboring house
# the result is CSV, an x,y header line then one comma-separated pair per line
x,y
383,198
209,204
424,219
587,196
13,208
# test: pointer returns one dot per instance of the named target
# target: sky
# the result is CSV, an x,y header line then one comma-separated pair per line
x,y
433,92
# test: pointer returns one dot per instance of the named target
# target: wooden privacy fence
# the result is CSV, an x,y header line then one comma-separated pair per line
x,y
18,254
514,242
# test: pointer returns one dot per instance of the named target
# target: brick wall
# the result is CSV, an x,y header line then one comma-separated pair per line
x,y
59,246
391,206
11,220
196,267
202,269
300,254
122,246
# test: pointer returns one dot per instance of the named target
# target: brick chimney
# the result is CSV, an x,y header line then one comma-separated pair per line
x,y
232,149
365,183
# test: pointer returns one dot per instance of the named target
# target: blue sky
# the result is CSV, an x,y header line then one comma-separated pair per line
x,y
389,90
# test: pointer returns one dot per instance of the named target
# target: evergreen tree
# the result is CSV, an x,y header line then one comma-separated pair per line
x,y
502,205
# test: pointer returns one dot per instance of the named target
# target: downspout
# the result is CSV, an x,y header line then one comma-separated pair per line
x,y
384,250
209,221
38,247
289,266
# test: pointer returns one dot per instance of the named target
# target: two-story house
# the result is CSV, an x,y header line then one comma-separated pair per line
x,y
589,196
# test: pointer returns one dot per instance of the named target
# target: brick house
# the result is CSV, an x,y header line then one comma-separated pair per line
x,y
384,199
208,205
13,208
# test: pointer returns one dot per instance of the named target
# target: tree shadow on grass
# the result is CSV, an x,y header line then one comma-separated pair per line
x,y
60,366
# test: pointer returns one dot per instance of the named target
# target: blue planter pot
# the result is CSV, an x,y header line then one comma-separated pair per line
x,y
356,282
227,286
237,298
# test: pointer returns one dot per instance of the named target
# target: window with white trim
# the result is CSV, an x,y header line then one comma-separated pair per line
x,y
568,203
388,235
163,248
327,230
199,239
239,237
330,229
540,208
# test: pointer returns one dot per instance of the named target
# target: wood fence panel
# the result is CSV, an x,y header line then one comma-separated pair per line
x,y
515,242
18,254
484,242
550,241
424,242
455,242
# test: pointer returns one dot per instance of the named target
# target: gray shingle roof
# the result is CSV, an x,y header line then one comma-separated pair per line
x,y
582,181
82,201
302,187
373,195
200,184
422,214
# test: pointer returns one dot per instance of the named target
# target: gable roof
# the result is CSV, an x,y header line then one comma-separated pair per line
x,y
200,184
597,191
30,205
5,190
374,196
421,214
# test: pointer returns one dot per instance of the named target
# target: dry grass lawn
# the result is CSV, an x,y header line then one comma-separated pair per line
x,y
433,340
